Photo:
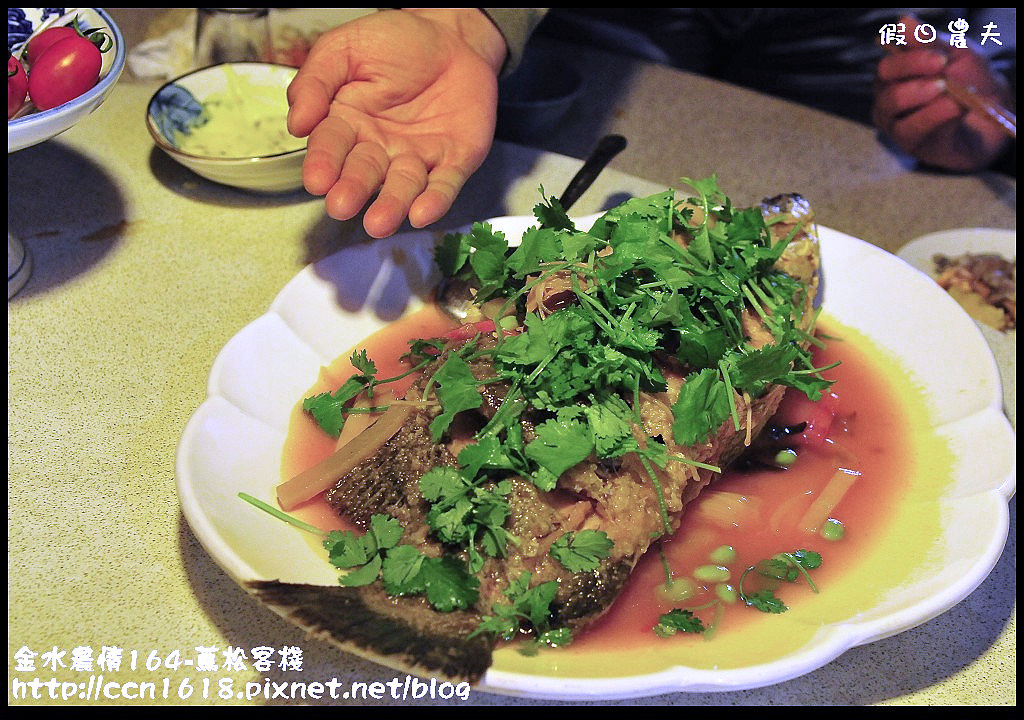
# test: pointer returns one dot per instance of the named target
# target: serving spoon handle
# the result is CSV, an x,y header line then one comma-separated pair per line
x,y
455,297
607,148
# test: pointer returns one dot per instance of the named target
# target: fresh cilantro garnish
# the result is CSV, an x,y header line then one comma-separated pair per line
x,y
403,568
581,551
678,620
364,552
631,292
328,409
464,514
444,580
561,443
529,608
783,567
457,389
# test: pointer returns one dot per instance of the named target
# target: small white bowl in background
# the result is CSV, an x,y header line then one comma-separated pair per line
x,y
206,120
32,126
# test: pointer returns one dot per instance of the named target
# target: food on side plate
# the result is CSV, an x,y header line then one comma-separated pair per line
x,y
985,285
546,445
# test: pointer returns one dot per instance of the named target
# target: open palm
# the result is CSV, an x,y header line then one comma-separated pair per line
x,y
397,105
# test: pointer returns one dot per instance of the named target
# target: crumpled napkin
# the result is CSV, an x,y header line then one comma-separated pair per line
x,y
293,30
165,57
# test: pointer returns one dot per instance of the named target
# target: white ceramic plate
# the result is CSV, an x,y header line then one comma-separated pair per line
x,y
234,442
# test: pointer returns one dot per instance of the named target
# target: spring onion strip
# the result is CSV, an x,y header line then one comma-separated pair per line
x,y
694,463
659,492
271,510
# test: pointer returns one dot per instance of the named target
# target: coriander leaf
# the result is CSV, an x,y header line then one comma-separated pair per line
x,y
559,637
447,584
400,571
441,482
766,602
346,549
328,409
778,568
809,559
610,422
488,259
363,552
449,521
503,624
451,254
560,445
527,605
537,246
364,575
576,246
488,452
457,391
582,551
753,370
385,530
702,405
363,364
701,347
678,620
535,603
551,214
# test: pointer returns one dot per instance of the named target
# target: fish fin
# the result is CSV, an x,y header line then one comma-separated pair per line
x,y
404,633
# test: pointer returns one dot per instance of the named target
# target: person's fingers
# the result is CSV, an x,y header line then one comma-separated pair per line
x,y
326,150
914,128
361,176
309,100
898,99
406,178
443,185
905,64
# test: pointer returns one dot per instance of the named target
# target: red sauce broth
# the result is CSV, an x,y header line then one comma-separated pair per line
x,y
872,438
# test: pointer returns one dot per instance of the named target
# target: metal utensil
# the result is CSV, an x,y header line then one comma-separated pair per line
x,y
454,295
607,148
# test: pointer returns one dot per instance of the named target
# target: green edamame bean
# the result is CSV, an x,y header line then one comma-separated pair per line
x,y
726,592
722,555
675,590
712,573
785,458
832,530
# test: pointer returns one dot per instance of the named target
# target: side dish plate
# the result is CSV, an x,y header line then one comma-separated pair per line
x,y
234,443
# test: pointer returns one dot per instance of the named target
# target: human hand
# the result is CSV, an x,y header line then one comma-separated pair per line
x,y
914,108
401,104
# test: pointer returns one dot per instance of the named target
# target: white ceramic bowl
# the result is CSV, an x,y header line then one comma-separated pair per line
x,y
32,126
177,110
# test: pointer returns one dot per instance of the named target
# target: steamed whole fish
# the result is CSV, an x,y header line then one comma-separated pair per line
x,y
628,496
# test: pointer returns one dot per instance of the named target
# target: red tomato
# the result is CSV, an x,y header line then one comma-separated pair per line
x,y
469,330
797,408
39,43
67,69
17,86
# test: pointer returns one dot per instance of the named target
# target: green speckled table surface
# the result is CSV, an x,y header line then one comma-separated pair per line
x,y
143,271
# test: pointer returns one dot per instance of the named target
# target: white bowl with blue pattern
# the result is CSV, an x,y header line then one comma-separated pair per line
x,y
177,112
32,126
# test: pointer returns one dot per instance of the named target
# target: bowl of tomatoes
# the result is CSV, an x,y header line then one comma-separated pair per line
x,y
62,64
